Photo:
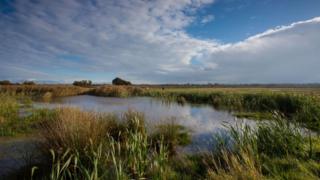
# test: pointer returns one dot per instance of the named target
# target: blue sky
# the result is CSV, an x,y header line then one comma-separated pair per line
x,y
236,20
161,41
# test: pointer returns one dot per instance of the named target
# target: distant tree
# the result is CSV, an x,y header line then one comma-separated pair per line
x,y
119,81
5,82
83,83
29,83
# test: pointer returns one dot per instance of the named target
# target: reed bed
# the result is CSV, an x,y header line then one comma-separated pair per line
x,y
88,145
47,91
77,144
297,105
304,109
274,150
17,117
117,91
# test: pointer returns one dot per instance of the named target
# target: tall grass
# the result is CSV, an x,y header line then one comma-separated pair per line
x,y
44,90
295,105
9,112
304,109
16,116
88,145
243,165
117,91
273,150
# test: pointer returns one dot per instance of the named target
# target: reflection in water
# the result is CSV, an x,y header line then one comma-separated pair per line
x,y
202,120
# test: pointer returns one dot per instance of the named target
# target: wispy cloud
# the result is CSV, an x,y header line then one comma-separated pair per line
x,y
207,19
145,41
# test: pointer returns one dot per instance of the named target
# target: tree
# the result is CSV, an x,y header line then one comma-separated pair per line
x,y
5,82
119,81
29,83
83,83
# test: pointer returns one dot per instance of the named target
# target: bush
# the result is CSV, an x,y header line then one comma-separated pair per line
x,y
119,81
83,83
29,83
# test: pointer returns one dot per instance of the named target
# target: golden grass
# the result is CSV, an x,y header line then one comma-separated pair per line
x,y
235,167
40,90
73,128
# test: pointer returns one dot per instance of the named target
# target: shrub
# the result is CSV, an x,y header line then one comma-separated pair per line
x,y
119,81
29,83
83,83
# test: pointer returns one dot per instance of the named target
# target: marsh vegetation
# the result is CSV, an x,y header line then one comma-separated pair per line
x,y
78,144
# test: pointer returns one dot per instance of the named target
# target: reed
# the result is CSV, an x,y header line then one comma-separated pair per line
x,y
44,90
87,145
83,146
117,91
273,150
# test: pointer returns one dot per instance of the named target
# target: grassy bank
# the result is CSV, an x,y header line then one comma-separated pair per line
x,y
44,91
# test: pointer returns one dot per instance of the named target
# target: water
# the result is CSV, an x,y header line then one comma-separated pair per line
x,y
202,120
16,153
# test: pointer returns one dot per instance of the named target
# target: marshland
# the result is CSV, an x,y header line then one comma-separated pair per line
x,y
159,89
159,132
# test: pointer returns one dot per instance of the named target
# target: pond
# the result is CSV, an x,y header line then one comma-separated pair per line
x,y
202,120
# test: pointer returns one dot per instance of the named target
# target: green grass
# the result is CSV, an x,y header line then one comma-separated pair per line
x,y
298,107
273,150
85,145
12,122
254,115
296,104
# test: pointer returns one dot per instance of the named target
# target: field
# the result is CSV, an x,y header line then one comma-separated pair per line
x,y
76,144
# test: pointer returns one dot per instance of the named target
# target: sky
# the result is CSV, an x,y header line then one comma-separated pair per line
x,y
161,41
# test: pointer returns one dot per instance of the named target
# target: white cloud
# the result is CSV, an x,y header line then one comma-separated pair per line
x,y
207,19
145,41
285,54
121,37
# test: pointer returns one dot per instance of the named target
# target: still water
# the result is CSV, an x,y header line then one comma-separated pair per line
x,y
202,120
